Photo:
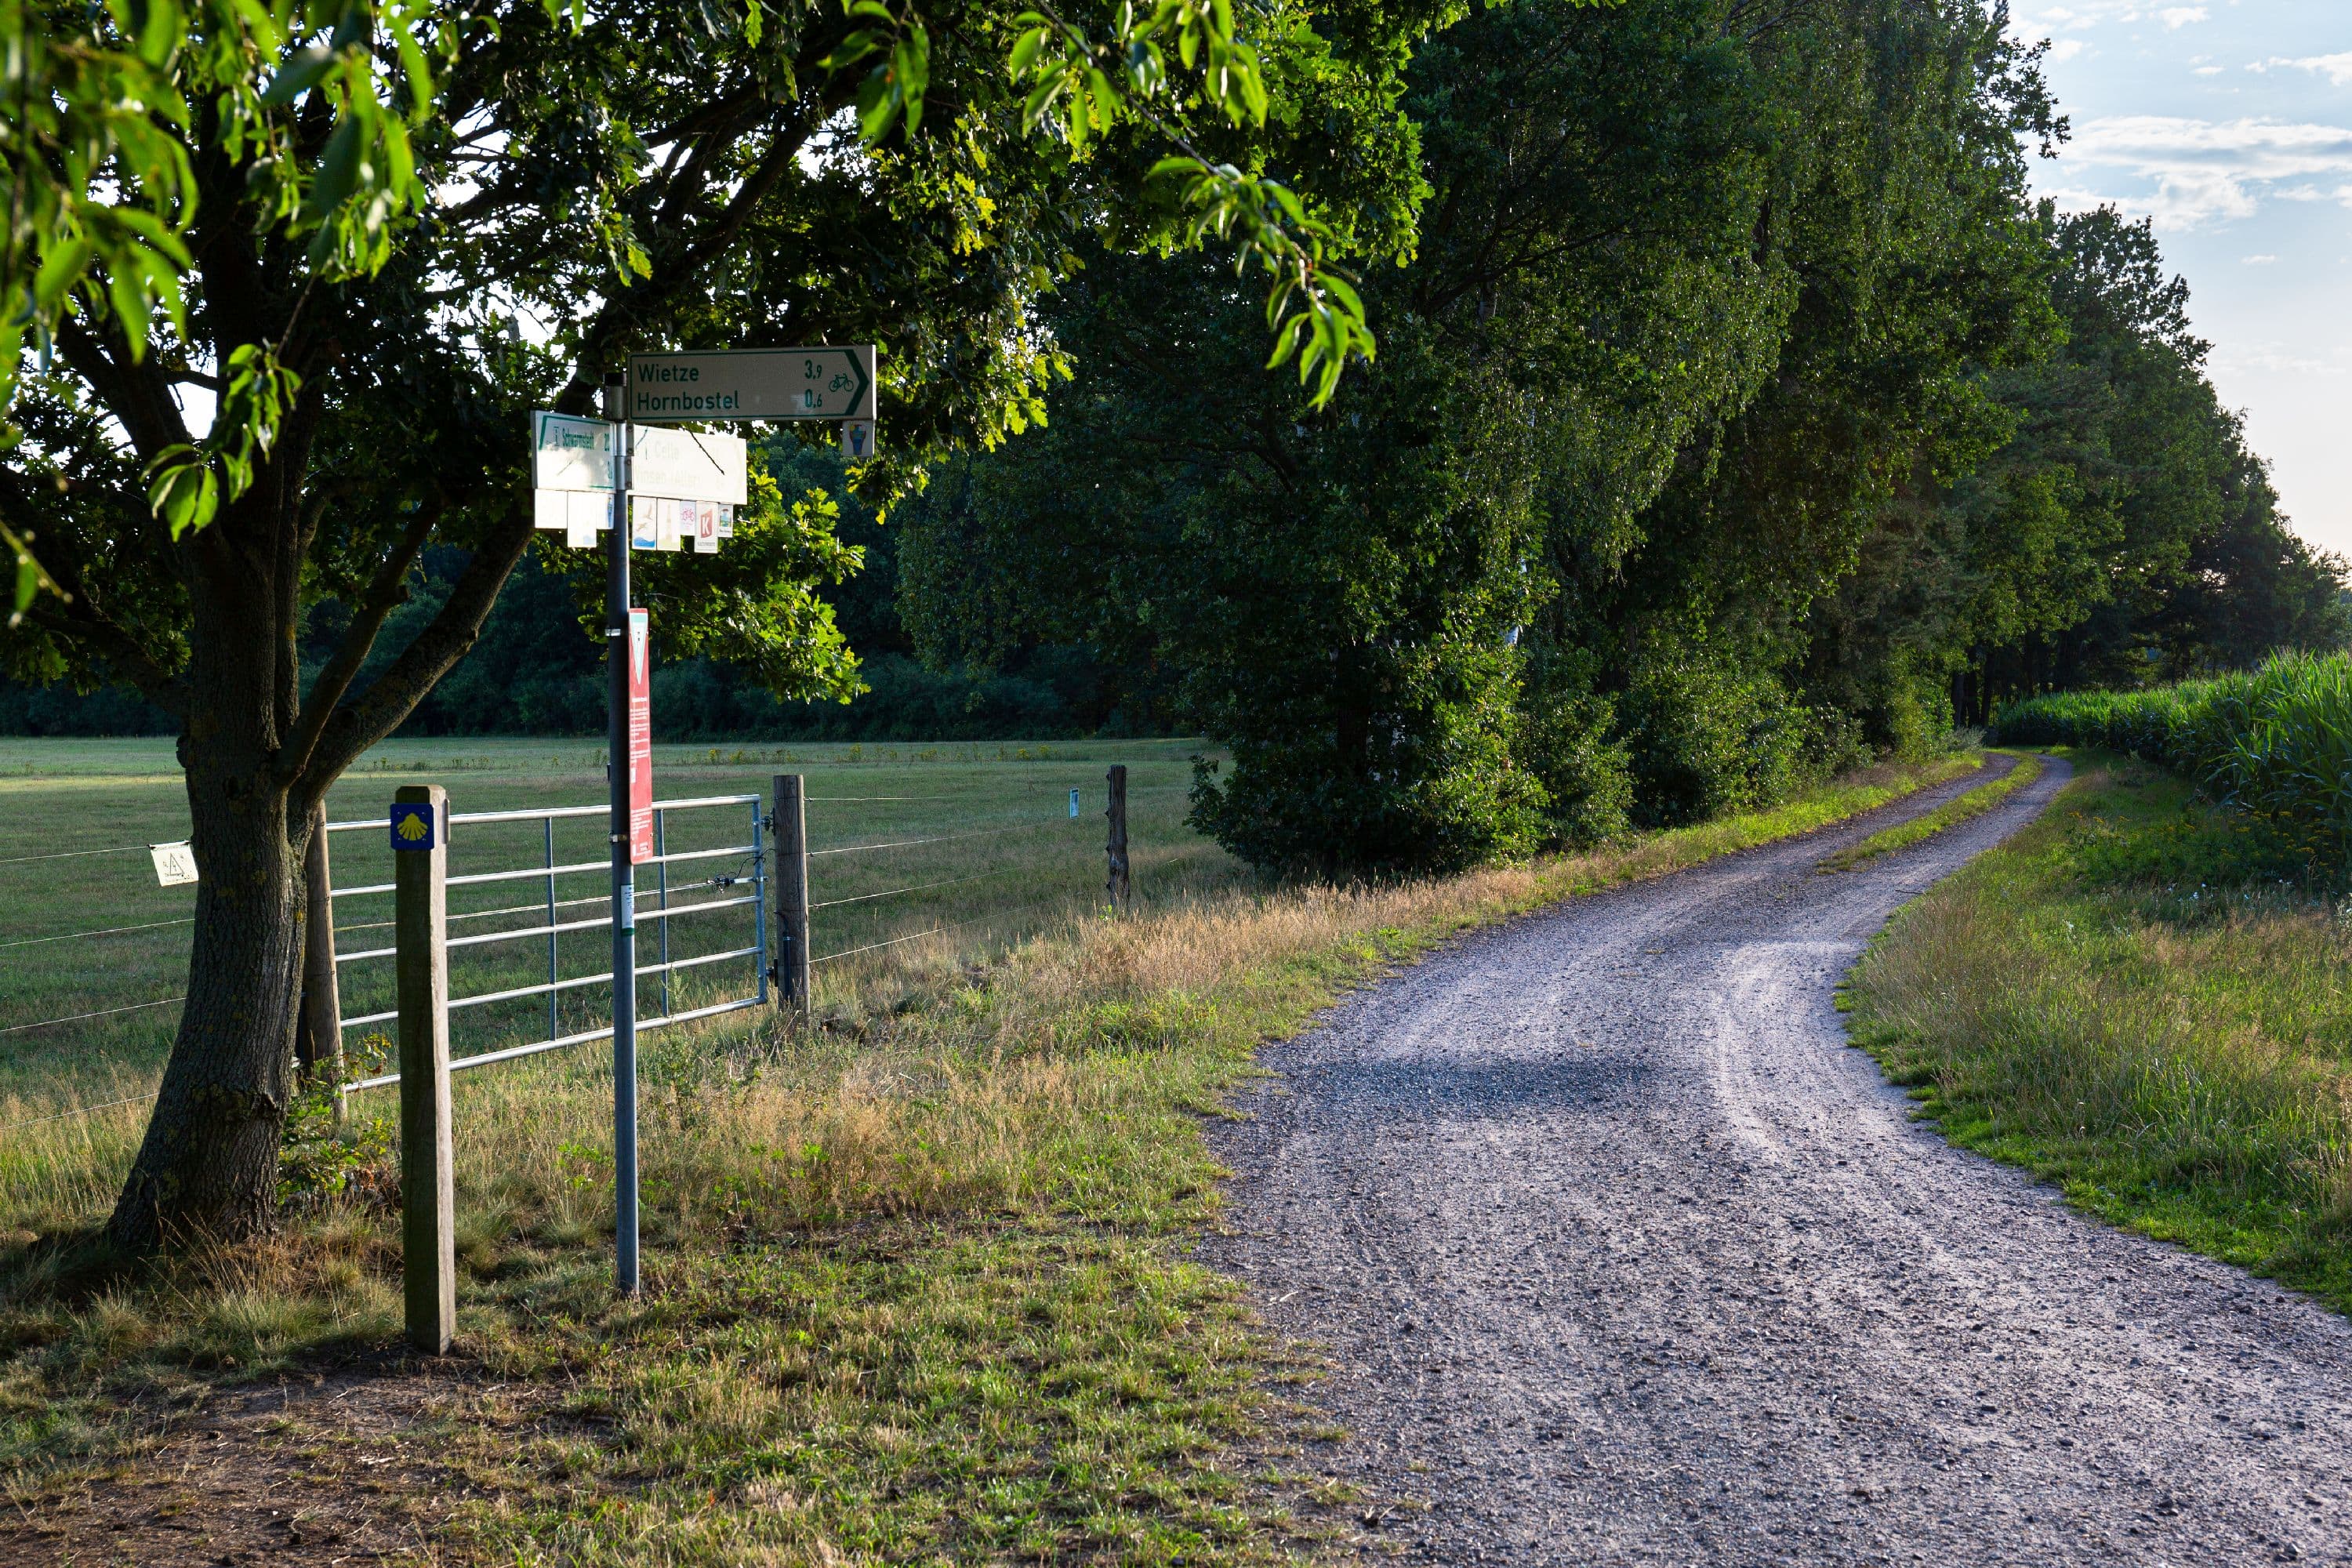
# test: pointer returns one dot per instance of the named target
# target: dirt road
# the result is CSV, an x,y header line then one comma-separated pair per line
x,y
1623,1256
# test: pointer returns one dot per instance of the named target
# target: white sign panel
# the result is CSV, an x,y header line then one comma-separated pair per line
x,y
658,522
689,465
857,439
751,384
570,454
579,514
176,864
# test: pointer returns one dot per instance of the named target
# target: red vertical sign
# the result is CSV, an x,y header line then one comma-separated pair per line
x,y
641,740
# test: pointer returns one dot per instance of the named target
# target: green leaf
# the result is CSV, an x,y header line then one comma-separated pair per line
x,y
912,63
1025,51
877,106
299,75
339,169
181,489
61,268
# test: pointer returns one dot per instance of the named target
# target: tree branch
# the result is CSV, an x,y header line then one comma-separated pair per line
x,y
78,620
779,160
394,694
136,394
384,593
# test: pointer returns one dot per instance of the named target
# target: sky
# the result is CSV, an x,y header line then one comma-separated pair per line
x,y
2229,122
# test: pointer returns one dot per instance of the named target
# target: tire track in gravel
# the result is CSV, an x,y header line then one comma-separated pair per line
x,y
1622,1256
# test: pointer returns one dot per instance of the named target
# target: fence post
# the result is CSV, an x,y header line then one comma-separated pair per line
x,y
428,1259
1116,847
790,825
318,1031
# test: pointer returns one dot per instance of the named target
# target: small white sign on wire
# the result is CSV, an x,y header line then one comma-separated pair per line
x,y
176,864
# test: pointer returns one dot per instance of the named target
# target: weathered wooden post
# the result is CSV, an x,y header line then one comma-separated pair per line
x,y
1116,847
790,825
428,1262
319,1028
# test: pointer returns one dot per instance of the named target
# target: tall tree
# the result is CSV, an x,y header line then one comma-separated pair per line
x,y
375,237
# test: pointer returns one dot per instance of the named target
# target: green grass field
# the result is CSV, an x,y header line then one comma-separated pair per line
x,y
2142,998
1013,862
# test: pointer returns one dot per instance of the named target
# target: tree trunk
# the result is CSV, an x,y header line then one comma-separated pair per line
x,y
208,1165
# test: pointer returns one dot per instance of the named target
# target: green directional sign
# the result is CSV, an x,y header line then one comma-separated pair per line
x,y
750,383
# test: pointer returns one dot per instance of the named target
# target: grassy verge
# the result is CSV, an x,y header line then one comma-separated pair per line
x,y
1974,804
2137,999
915,1286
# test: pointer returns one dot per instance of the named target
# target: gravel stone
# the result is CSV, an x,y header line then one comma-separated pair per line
x,y
1621,1255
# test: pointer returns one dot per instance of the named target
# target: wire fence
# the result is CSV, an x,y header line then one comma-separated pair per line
x,y
683,961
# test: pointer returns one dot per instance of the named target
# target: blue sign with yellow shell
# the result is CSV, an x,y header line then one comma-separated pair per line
x,y
413,826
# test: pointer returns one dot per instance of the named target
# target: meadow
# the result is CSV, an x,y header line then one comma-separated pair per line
x,y
999,856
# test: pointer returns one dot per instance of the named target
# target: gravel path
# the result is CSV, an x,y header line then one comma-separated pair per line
x,y
1622,1256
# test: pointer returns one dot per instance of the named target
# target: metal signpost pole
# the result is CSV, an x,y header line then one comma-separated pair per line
x,y
684,473
624,894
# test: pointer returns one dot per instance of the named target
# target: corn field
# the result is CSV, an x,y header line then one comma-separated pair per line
x,y
2275,743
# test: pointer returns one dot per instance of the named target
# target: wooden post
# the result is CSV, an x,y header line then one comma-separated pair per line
x,y
790,825
318,1029
1116,847
428,1263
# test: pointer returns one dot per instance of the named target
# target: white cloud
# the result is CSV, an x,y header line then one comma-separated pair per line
x,y
2275,358
2178,17
2065,49
2204,171
2258,260
2207,70
2337,68
2043,20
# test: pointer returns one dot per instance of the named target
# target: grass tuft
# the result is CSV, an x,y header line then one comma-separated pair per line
x,y
1951,813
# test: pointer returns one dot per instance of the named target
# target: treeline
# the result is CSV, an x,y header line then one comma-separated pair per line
x,y
1738,415
539,669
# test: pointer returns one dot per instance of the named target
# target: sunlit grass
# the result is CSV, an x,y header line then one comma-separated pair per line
x,y
2130,999
1950,815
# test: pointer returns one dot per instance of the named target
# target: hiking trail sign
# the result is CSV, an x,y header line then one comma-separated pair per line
x,y
644,486
750,383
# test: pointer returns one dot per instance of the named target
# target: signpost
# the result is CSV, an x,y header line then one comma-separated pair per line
x,y
750,383
624,655
644,486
